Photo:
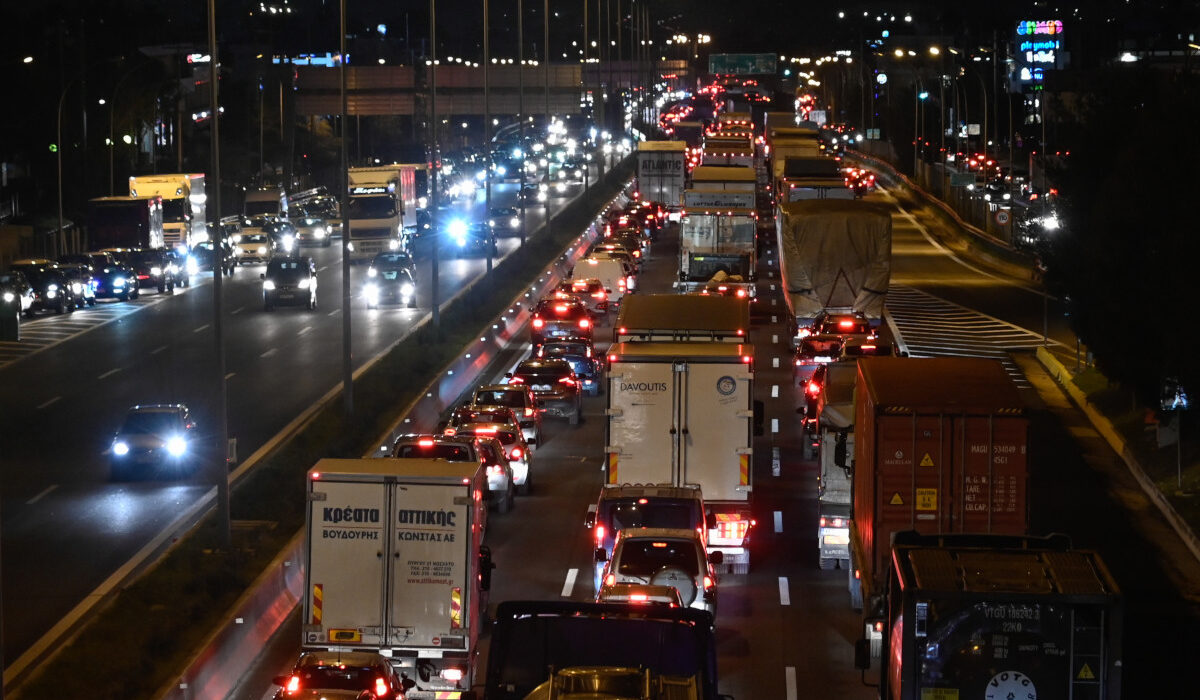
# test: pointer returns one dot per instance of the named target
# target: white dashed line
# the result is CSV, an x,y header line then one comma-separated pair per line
x,y
774,391
570,583
109,373
158,349
49,402
322,268
778,521
774,425
774,338
41,495
304,330
775,461
238,310
785,596
775,362
335,312
268,353
201,328
789,682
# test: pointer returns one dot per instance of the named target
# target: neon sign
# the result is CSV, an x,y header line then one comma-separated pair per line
x,y
1033,28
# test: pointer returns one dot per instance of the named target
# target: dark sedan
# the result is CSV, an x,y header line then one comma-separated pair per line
x,y
290,280
51,286
390,278
114,278
582,357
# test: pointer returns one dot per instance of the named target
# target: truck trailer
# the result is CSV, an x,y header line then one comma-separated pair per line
x,y
998,618
835,256
383,200
835,454
683,413
395,564
940,448
184,211
125,222
662,172
682,318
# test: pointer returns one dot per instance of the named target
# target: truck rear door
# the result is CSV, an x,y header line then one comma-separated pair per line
x,y
430,586
641,416
344,598
715,427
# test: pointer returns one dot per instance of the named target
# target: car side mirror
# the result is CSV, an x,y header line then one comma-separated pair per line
x,y
532,442
589,520
862,654
508,375
710,521
716,558
601,555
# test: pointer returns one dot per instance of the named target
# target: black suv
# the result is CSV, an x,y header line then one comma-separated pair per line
x,y
51,286
581,355
556,317
150,266
555,386
290,280
114,278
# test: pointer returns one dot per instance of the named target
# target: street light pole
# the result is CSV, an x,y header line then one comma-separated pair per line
x,y
487,138
521,109
435,224
222,453
347,237
546,81
58,149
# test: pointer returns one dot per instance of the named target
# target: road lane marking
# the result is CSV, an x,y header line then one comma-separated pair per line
x,y
785,596
570,584
774,338
335,312
41,495
322,268
775,461
789,682
774,425
775,362
238,310
201,328
109,373
304,330
774,391
49,402
268,353
778,521
227,376
158,349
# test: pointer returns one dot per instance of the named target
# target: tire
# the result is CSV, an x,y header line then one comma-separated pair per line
x,y
505,503
124,297
162,288
574,419
524,488
91,302
826,563
137,292
678,579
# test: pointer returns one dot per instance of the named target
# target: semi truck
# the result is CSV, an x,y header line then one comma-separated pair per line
x,y
994,617
812,178
676,317
683,413
125,222
662,172
835,256
383,200
835,453
184,213
395,564
940,448
717,239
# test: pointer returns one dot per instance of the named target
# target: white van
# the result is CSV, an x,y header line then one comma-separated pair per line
x,y
271,201
616,275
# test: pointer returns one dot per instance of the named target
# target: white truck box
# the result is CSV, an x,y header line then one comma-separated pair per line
x,y
834,255
395,565
835,437
662,171
717,240
682,413
383,200
184,210
726,178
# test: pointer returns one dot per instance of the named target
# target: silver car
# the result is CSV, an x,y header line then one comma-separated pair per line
x,y
674,557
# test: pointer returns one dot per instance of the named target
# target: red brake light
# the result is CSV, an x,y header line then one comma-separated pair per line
x,y
746,359
485,431
599,533
660,545
293,685
425,442
741,292
529,411
516,453
708,583
610,580
567,380
598,295
612,358
584,323
538,323
516,380
812,388
845,324
622,330
561,308
638,598
381,687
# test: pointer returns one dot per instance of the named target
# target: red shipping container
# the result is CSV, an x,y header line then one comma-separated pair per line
x,y
940,447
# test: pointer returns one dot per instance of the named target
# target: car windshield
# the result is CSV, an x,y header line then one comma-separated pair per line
x,y
38,277
625,513
448,452
254,238
544,375
340,677
150,423
504,211
646,557
287,268
145,257
372,207
500,397
562,349
392,260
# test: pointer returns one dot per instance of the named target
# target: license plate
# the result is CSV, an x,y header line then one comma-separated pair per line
x,y
541,387
286,295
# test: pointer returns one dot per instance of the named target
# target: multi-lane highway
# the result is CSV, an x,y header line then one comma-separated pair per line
x,y
65,387
785,630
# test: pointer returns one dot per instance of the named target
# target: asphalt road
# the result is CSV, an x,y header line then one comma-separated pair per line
x,y
64,391
785,630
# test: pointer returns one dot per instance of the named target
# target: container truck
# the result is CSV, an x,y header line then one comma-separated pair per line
x,y
717,240
813,178
383,200
271,201
997,618
940,448
662,172
683,413
835,452
395,565
677,317
835,256
125,222
184,216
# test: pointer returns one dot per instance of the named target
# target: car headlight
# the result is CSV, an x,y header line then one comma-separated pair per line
x,y
192,266
9,297
460,240
406,290
52,287
561,186
372,272
268,285
77,288
118,281
305,283
262,250
371,290
350,247
514,222
393,244
120,448
319,232
492,222
176,446
51,293
236,238
541,196
156,271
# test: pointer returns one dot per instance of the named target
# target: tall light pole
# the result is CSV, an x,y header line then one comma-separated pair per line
x,y
434,166
221,462
487,138
546,84
347,241
112,106
521,109
58,149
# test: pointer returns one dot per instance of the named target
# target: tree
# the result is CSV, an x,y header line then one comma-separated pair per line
x,y
1129,250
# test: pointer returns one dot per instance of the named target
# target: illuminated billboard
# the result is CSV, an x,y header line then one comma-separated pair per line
x,y
1038,48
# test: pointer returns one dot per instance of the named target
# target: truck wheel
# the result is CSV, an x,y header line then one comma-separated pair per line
x,y
826,563
844,564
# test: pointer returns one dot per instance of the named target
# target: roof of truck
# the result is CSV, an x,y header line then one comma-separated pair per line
x,y
679,146
939,384
720,173
675,312
694,352
432,470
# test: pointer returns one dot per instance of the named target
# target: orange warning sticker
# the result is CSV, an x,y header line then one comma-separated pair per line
x,y
896,500
1085,673
927,461
926,499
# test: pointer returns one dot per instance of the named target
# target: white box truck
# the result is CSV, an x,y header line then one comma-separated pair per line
x,y
683,413
717,241
835,454
383,200
184,211
836,256
662,172
395,565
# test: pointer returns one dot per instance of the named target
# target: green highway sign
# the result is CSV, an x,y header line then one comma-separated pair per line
x,y
742,63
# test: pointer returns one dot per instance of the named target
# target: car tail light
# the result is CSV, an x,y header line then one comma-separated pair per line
x,y
610,580
516,380
538,323
561,308
381,687
528,411
741,293
845,325
598,295
599,533
567,380
584,323
622,330
812,388
746,359
494,469
733,529
485,431
879,627
639,598
425,442
516,453
293,685
708,583
621,283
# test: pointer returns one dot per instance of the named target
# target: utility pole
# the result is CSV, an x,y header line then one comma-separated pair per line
x,y
487,139
546,78
434,162
347,245
521,109
221,463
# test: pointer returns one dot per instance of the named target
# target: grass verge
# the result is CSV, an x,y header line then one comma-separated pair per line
x,y
140,639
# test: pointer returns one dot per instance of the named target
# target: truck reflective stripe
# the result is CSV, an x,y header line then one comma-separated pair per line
x,y
612,468
744,469
318,597
455,608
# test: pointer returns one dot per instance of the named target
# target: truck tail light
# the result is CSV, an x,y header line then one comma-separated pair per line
x,y
708,583
812,388
538,323
453,675
528,411
598,295
733,529
610,579
293,685
599,532
516,453
381,687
